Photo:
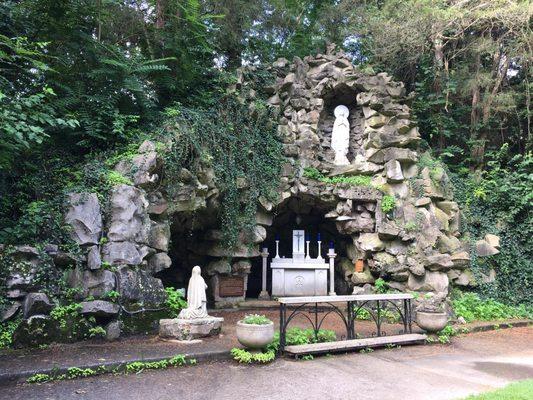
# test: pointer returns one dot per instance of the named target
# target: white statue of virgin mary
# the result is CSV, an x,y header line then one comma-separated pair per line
x,y
340,138
196,299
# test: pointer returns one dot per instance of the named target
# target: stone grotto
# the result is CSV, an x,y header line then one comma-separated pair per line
x,y
145,241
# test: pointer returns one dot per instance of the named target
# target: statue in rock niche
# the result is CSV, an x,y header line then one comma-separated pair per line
x,y
196,298
340,138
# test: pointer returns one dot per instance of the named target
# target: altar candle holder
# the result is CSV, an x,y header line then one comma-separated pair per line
x,y
319,240
331,255
277,246
307,241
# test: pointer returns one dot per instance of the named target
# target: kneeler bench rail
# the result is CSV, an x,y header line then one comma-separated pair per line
x,y
374,304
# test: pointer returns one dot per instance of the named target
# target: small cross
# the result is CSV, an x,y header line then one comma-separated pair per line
x,y
298,236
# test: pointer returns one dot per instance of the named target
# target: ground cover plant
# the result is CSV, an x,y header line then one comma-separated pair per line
x,y
514,391
294,336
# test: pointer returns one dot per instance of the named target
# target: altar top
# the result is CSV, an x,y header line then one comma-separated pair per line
x,y
337,299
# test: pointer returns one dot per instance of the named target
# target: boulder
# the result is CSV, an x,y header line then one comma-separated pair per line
x,y
121,253
128,215
84,216
393,169
159,236
220,266
241,267
141,167
36,303
439,262
159,262
388,231
99,308
465,278
422,202
429,282
370,242
360,278
492,240
91,283
460,259
217,249
137,286
157,204
449,207
448,244
112,330
94,261
484,249
9,312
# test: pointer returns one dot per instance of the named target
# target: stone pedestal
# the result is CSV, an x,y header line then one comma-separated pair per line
x,y
189,329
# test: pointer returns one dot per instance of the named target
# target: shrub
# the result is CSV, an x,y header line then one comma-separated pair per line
x,y
472,307
175,301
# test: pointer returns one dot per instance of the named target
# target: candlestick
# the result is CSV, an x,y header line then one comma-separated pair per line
x,y
319,249
307,256
277,248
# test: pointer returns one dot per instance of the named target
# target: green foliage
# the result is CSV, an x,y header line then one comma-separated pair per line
x,y
388,203
63,313
6,333
246,357
39,378
133,367
241,146
97,332
256,319
381,286
175,301
515,391
498,201
112,295
355,180
472,308
116,178
139,366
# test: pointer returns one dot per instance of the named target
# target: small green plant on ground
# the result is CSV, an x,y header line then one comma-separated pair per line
x,y
294,336
133,367
175,301
6,333
366,350
472,307
97,332
256,319
515,391
246,357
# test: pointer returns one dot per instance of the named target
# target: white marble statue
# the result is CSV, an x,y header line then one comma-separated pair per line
x,y
196,299
340,138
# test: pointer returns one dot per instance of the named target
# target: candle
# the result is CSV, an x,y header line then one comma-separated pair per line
x,y
331,244
308,237
318,236
277,236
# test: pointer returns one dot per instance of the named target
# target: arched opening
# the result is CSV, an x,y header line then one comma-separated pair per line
x,y
345,95
301,212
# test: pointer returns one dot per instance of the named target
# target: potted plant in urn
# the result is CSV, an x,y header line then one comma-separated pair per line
x,y
255,331
431,314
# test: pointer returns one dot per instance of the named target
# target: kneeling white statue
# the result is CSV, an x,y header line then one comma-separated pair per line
x,y
193,322
196,299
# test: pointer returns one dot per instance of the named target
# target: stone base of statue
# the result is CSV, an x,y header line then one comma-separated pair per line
x,y
190,329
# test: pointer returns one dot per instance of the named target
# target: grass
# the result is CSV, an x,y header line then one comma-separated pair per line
x,y
515,391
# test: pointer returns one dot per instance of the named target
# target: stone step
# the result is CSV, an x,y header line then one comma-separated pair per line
x,y
354,344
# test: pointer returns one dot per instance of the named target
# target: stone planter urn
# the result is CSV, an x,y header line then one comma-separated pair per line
x,y
431,321
255,336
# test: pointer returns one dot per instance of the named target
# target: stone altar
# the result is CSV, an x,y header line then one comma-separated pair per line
x,y
300,275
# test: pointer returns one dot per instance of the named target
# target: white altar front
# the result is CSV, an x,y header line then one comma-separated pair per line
x,y
300,275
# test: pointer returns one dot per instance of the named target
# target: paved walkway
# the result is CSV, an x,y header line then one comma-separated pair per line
x,y
473,363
